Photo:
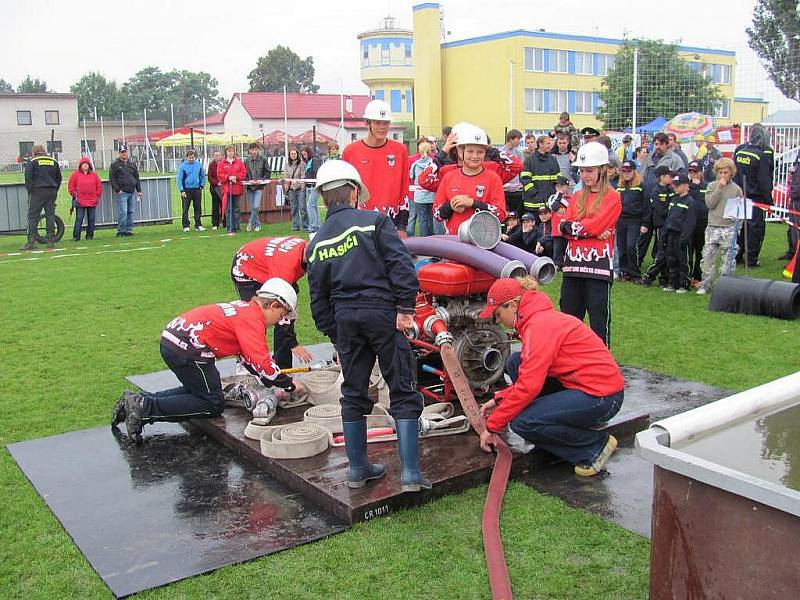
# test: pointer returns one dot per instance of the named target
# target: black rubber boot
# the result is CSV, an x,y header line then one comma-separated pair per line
x,y
29,245
408,445
134,422
355,443
118,413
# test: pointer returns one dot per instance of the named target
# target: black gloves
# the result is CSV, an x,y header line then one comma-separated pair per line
x,y
283,381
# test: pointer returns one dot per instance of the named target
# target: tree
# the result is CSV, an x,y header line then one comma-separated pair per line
x,y
6,87
149,89
187,95
666,85
32,86
775,37
282,67
94,91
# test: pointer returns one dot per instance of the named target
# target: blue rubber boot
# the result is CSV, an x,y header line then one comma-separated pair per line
x,y
411,479
355,443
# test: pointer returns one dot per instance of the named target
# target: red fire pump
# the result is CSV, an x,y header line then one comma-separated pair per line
x,y
451,297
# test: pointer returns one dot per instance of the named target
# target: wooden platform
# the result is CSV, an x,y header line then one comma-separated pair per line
x,y
452,463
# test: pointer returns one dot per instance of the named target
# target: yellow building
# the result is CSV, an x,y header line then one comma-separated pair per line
x,y
387,67
524,79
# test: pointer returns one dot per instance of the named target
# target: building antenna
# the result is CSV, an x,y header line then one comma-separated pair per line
x,y
441,24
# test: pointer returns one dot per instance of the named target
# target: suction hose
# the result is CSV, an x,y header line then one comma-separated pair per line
x,y
451,249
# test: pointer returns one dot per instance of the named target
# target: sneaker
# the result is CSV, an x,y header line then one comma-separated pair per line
x,y
637,281
214,228
257,228
199,228
701,291
28,246
695,283
681,291
667,288
592,469
128,234
787,256
646,281
120,234
134,422
186,230
249,227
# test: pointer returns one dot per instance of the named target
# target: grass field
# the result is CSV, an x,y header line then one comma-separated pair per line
x,y
75,322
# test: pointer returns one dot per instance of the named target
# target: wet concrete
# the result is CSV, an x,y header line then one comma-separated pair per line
x,y
767,447
623,493
177,506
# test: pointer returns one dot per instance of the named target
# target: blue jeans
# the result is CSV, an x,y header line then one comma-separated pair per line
x,y
312,209
125,207
562,421
254,200
438,227
297,202
424,214
80,211
233,214
412,218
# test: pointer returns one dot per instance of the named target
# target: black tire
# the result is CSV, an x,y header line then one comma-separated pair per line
x,y
41,232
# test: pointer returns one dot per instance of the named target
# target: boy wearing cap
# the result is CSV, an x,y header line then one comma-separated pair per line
x,y
544,233
512,229
697,190
655,215
678,229
191,343
363,290
630,221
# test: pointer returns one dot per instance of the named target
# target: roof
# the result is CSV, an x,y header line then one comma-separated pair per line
x,y
354,123
750,99
210,120
37,95
569,37
269,105
784,117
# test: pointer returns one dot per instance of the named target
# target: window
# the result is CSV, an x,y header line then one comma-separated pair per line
x,y
723,110
558,101
395,136
353,137
25,149
51,117
407,51
534,100
24,117
583,103
722,74
54,146
365,55
92,146
385,55
534,59
605,63
583,63
559,61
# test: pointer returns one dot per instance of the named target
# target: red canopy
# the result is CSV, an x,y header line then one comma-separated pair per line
x,y
276,137
307,137
157,136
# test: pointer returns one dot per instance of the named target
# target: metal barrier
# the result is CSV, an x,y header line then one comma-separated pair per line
x,y
154,207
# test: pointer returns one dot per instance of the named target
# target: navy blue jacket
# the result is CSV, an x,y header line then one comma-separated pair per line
x,y
755,164
190,176
633,203
681,217
357,260
655,210
698,192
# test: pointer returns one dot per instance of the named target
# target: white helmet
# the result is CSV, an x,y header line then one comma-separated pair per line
x,y
282,291
467,133
592,154
378,110
336,173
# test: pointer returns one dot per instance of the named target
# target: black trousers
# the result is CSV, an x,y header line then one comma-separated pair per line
x,y
200,395
363,335
628,246
677,255
42,198
192,198
696,251
644,243
559,249
580,295
216,205
514,202
659,266
756,228
284,337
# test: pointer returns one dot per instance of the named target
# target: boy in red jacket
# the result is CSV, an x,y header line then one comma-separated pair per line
x,y
566,382
470,188
191,343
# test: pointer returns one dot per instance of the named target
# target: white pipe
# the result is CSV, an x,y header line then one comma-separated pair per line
x,y
733,408
102,144
205,133
285,125
122,118
172,121
635,85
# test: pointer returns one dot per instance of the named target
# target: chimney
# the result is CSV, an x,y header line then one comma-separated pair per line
x,y
348,104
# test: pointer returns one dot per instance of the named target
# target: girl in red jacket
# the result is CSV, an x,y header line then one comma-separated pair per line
x,y
85,188
565,381
230,173
472,187
588,227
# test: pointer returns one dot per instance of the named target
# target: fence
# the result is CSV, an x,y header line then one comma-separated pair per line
x,y
154,207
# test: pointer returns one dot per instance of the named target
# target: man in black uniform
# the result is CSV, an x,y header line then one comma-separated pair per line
x,y
363,290
754,168
42,179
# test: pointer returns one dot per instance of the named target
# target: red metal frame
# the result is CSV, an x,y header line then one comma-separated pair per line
x,y
448,394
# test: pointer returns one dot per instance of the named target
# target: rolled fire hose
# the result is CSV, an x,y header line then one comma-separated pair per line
x,y
483,260
499,581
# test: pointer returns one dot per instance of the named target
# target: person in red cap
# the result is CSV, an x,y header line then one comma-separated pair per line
x,y
565,381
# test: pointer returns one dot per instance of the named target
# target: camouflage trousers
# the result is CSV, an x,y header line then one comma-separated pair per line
x,y
717,246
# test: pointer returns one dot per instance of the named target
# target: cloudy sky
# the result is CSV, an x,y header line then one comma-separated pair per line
x,y
59,41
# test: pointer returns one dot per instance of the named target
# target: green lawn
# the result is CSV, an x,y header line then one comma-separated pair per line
x,y
72,327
